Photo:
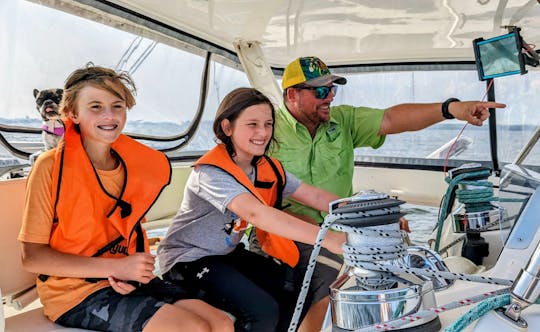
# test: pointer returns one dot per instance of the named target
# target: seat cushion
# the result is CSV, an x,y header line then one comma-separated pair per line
x,y
34,321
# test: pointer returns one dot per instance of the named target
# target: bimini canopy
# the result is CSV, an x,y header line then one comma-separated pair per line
x,y
344,31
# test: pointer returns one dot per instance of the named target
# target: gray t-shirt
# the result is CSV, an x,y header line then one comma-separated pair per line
x,y
203,225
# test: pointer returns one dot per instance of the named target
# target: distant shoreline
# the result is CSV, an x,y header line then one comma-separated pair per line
x,y
34,122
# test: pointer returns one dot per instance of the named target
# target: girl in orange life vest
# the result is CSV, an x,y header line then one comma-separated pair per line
x,y
81,229
232,185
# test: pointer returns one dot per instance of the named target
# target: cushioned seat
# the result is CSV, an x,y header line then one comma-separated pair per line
x,y
34,321
458,264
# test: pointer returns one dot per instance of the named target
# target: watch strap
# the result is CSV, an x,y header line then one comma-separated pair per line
x,y
444,108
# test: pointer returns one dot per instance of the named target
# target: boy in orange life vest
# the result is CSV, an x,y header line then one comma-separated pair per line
x,y
81,229
232,185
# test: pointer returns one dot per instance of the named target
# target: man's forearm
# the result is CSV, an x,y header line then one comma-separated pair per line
x,y
410,117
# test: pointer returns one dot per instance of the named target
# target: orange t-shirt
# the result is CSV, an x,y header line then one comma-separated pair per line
x,y
37,225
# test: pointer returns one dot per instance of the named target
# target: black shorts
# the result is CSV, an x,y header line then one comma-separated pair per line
x,y
245,284
325,273
107,310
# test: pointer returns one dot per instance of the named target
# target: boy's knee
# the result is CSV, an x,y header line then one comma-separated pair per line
x,y
226,324
224,321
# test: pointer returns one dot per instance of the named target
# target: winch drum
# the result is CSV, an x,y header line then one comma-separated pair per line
x,y
353,308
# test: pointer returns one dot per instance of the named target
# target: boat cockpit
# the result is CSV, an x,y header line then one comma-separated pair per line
x,y
472,193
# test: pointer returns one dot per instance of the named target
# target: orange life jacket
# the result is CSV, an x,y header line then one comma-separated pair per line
x,y
267,188
88,220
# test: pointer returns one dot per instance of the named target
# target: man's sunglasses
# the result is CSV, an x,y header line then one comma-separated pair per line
x,y
321,92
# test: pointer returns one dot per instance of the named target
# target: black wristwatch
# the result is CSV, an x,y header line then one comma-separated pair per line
x,y
444,108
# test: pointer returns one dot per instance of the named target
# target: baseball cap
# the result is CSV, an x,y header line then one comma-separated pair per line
x,y
311,71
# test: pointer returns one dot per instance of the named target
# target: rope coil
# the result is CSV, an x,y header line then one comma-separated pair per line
x,y
371,248
476,194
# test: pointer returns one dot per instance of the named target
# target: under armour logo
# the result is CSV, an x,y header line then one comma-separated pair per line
x,y
204,270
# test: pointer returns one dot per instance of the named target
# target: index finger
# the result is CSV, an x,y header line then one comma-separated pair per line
x,y
492,104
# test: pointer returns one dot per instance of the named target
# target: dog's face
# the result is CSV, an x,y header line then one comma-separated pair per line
x,y
47,102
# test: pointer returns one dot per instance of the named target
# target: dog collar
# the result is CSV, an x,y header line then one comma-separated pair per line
x,y
58,131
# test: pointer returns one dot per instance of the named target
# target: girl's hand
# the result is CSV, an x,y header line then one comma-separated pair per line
x,y
404,225
120,286
334,242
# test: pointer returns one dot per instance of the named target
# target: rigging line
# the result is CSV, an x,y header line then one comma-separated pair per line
x,y
133,50
461,132
216,83
142,57
128,52
395,324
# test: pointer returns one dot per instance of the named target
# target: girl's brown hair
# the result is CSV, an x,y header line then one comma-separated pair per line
x,y
232,106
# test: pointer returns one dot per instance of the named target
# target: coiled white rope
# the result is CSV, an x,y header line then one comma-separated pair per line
x,y
366,261
369,244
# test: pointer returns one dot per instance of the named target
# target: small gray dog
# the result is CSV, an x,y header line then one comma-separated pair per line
x,y
47,104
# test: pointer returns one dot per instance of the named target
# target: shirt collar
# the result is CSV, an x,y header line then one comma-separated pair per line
x,y
288,118
291,120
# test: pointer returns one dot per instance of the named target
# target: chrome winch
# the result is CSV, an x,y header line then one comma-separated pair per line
x,y
366,293
477,212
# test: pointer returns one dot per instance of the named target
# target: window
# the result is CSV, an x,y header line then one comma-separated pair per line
x,y
520,119
385,89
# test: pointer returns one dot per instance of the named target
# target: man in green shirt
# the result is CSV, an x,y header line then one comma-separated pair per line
x,y
316,143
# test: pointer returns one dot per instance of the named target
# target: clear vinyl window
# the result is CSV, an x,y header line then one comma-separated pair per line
x,y
515,124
